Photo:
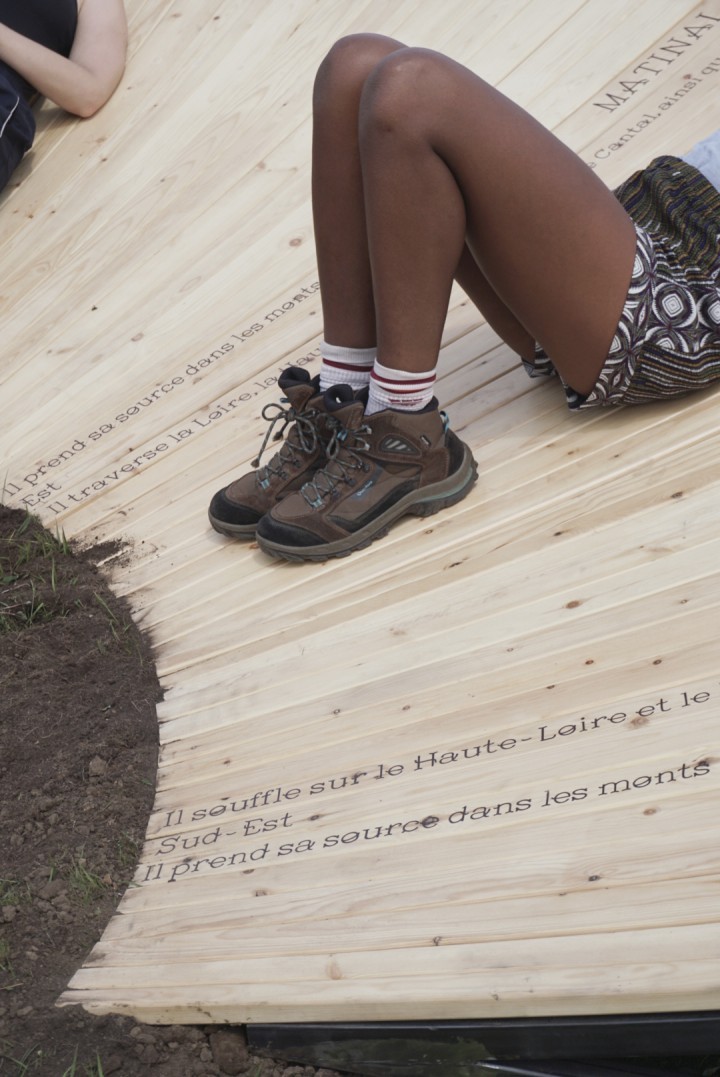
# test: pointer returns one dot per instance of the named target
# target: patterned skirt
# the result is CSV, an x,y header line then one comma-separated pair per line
x,y
674,300
668,338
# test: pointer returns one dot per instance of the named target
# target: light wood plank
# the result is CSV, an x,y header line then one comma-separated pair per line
x,y
170,237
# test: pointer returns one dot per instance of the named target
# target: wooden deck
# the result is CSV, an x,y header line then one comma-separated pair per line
x,y
470,771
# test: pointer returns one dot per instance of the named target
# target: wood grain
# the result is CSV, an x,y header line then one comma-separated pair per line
x,y
471,771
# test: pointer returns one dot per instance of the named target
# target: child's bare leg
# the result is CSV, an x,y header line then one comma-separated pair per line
x,y
446,157
339,209
498,316
337,190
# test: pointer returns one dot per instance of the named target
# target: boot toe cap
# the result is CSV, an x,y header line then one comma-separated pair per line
x,y
231,517
283,533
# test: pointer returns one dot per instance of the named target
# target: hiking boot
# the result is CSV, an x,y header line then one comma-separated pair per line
x,y
380,467
236,509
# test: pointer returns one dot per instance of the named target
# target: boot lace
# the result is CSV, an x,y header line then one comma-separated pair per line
x,y
306,440
344,453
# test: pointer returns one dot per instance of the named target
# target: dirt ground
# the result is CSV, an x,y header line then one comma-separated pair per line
x,y
78,752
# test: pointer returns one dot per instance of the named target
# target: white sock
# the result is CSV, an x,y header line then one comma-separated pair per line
x,y
402,390
345,366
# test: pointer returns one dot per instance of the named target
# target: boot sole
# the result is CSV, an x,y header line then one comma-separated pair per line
x,y
423,502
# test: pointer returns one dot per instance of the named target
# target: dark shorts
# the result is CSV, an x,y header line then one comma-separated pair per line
x,y
667,341
17,129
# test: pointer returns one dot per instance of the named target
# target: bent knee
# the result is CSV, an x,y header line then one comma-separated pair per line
x,y
404,86
350,61
404,92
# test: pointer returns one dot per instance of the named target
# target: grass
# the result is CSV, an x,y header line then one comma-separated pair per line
x,y
92,1069
35,586
29,1061
5,960
23,1065
13,892
86,884
128,850
29,575
123,631
24,612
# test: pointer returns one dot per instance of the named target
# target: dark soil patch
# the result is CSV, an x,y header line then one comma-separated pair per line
x,y
78,752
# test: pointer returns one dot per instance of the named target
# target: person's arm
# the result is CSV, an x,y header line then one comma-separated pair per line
x,y
84,81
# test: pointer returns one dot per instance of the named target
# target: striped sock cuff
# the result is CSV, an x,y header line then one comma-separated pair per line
x,y
349,366
400,389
